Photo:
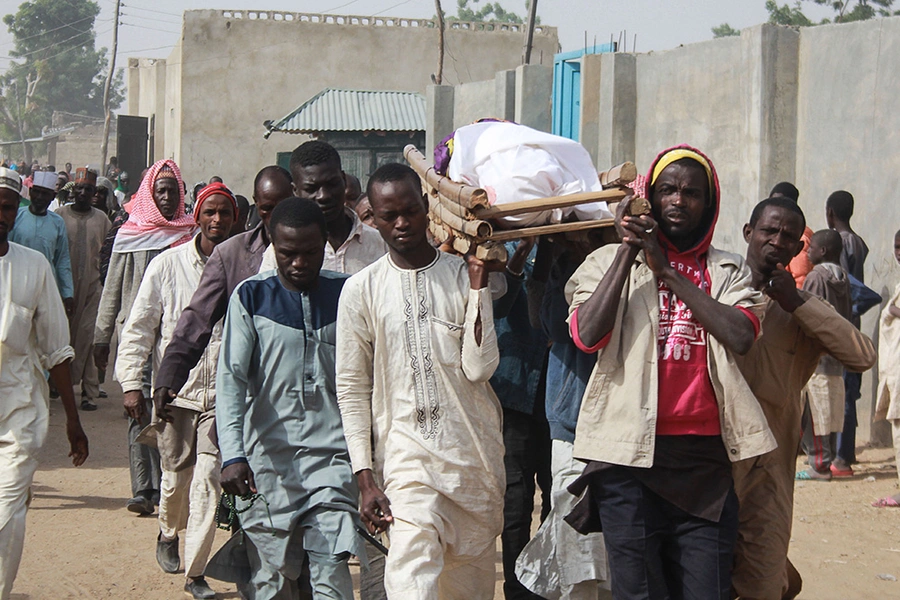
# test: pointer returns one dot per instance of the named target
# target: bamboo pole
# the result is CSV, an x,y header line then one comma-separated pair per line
x,y
463,245
639,206
619,175
476,229
542,204
453,207
465,195
515,234
491,251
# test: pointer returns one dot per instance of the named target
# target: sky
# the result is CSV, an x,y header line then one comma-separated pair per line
x,y
151,27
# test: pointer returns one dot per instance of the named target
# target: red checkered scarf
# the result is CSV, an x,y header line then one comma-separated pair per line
x,y
146,228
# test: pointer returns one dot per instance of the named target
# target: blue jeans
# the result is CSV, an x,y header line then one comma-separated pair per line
x,y
846,441
656,550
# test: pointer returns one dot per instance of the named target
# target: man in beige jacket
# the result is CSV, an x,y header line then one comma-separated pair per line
x,y
189,455
797,329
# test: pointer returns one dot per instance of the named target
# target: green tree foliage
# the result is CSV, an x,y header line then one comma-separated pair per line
x,y
55,66
792,14
725,30
490,12
859,10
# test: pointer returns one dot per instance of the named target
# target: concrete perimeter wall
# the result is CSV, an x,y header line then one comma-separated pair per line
x,y
819,107
147,77
233,70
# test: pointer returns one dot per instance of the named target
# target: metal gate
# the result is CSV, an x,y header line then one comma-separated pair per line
x,y
131,145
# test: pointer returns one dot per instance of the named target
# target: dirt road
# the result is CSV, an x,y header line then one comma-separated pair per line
x,y
82,543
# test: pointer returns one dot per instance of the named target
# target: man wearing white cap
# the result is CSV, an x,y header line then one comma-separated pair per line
x,y
34,337
86,227
44,231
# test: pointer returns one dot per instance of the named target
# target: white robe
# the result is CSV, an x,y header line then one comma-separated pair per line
x,y
888,396
34,336
411,377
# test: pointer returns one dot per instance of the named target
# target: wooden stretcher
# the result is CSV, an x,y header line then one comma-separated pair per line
x,y
463,212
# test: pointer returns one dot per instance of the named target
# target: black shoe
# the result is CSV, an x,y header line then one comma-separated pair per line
x,y
87,405
199,589
140,504
103,394
167,555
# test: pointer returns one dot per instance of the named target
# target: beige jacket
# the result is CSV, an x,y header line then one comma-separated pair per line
x,y
777,367
617,423
166,290
888,404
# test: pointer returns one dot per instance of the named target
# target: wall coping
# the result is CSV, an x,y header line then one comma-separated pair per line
x,y
371,21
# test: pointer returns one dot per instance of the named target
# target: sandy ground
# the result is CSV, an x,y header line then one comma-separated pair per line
x,y
82,543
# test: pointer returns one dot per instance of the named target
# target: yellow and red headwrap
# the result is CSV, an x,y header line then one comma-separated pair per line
x,y
214,189
677,154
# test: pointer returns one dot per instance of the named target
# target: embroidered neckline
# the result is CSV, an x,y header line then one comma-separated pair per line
x,y
437,257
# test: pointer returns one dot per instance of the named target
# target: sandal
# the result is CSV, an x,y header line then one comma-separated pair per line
x,y
809,475
841,473
886,502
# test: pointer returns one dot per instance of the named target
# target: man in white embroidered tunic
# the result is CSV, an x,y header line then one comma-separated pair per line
x,y
34,336
185,428
415,349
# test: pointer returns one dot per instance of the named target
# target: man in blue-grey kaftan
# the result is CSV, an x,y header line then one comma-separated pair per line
x,y
277,415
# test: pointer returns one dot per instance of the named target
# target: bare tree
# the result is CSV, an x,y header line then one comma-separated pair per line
x,y
439,76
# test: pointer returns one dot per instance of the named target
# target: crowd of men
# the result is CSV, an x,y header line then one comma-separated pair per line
x,y
350,385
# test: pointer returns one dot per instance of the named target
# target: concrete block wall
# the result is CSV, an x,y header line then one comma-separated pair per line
x,y
521,95
848,137
82,146
233,70
534,88
147,97
473,101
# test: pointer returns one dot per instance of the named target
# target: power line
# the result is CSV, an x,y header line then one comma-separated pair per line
x,y
147,49
48,31
141,17
158,12
341,6
26,54
151,28
10,58
391,7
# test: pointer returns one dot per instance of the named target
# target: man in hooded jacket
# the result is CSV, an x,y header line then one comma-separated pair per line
x,y
666,410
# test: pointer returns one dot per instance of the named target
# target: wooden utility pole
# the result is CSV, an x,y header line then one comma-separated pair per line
x,y
104,146
529,32
439,76
25,152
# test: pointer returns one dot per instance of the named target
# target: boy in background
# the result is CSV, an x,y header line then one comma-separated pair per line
x,y
823,415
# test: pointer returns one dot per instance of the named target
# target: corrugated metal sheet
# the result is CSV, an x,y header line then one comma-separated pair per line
x,y
356,110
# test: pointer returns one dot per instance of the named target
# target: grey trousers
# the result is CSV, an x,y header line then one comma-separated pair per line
x,y
371,582
820,449
327,577
143,461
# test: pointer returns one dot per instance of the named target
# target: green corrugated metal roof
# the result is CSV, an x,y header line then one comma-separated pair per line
x,y
355,110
